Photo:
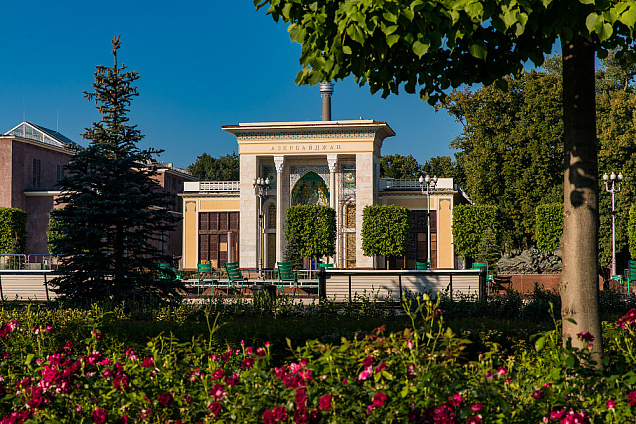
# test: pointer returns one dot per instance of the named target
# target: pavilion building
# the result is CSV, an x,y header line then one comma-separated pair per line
x,y
333,163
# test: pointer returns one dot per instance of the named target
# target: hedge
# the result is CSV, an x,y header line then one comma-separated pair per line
x,y
469,224
549,225
13,232
631,229
385,230
313,227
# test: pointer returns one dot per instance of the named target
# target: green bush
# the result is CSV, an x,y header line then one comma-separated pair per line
x,y
632,231
469,224
549,226
54,232
418,374
313,228
13,232
385,230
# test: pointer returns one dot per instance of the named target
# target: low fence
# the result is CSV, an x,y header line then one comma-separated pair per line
x,y
28,262
346,285
25,285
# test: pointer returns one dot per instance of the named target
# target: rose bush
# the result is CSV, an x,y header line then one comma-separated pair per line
x,y
418,375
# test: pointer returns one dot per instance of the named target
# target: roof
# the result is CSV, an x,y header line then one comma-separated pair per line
x,y
35,132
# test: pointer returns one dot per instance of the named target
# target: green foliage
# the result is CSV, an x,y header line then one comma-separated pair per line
x,y
511,149
488,250
313,227
13,232
223,168
115,213
385,230
292,254
54,231
443,167
549,227
632,231
470,223
398,166
423,370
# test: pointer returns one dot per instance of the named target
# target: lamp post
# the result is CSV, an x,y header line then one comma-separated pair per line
x,y
613,178
430,184
260,190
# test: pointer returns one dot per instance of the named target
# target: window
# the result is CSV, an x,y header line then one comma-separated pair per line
x,y
36,172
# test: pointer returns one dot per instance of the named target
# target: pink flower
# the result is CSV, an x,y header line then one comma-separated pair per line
x,y
584,335
99,416
611,404
365,374
301,397
455,400
165,400
539,394
575,418
215,408
409,344
368,361
148,362
631,398
489,376
268,417
627,321
279,413
379,399
247,363
476,407
547,385
501,371
381,366
218,392
218,374
325,402
475,419
260,352
557,414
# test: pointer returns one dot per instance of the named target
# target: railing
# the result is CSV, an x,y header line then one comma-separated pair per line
x,y
28,262
412,184
212,186
346,285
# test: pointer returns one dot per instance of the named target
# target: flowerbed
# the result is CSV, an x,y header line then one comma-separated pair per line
x,y
418,375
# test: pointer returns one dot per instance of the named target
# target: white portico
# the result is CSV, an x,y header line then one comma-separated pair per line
x,y
334,163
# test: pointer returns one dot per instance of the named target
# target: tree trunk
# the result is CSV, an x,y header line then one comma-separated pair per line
x,y
579,279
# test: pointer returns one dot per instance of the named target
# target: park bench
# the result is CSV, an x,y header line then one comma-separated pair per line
x,y
422,265
490,276
202,270
630,275
235,275
286,275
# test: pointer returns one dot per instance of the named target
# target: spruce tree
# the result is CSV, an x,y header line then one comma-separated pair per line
x,y
115,214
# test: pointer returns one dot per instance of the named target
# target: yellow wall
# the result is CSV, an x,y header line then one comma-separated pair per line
x,y
445,236
191,207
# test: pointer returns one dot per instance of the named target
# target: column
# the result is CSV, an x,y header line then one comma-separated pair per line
x,y
279,162
332,162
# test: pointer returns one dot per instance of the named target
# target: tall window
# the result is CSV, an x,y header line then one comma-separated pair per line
x,y
36,172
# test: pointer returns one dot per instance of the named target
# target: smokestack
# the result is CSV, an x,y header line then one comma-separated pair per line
x,y
326,90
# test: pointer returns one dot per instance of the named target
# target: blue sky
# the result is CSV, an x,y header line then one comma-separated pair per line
x,y
203,64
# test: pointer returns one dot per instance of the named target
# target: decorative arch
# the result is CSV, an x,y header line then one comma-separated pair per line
x,y
310,189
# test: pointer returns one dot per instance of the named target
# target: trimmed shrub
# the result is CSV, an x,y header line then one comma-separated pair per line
x,y
549,226
469,224
313,227
385,230
632,231
13,232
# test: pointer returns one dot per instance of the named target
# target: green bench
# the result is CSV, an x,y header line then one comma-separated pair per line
x,y
490,276
235,275
202,270
422,265
630,275
286,275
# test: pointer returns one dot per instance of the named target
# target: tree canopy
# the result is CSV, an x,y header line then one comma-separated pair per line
x,y
115,214
223,168
431,47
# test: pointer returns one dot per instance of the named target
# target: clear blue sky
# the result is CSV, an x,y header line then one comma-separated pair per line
x,y
203,64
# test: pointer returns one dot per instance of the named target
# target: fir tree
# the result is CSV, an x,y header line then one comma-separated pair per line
x,y
115,213
488,249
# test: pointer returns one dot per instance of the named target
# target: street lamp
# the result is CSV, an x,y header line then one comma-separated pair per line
x,y
430,184
260,190
613,177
